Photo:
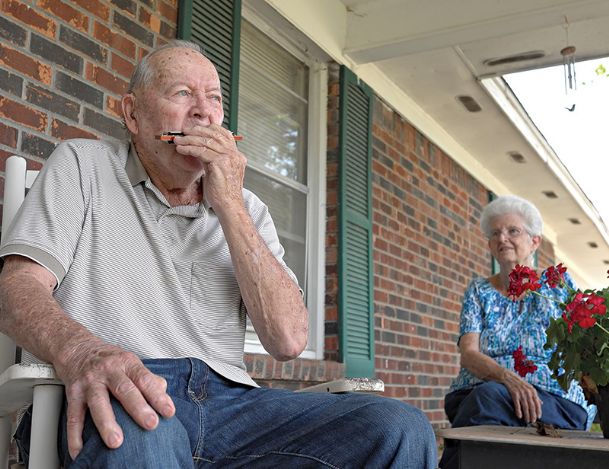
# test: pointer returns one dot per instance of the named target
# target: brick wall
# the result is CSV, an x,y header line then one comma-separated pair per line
x,y
65,64
427,246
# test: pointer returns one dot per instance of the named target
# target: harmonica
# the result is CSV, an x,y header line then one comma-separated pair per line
x,y
168,137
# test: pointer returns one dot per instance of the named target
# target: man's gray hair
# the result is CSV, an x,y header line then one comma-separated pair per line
x,y
144,71
512,205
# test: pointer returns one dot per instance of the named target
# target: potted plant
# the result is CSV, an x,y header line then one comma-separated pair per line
x,y
579,338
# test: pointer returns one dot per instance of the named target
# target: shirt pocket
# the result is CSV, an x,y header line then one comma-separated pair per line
x,y
215,298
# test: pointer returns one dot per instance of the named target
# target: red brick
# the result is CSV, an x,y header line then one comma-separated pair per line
x,y
29,16
94,6
115,40
70,15
22,114
4,155
25,65
113,106
8,135
106,79
153,22
64,131
121,66
168,11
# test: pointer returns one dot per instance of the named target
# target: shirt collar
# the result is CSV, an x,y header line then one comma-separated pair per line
x,y
134,168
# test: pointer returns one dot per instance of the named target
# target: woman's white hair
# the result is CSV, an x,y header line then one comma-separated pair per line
x,y
512,205
144,71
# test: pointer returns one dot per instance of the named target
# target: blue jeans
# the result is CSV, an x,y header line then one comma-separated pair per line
x,y
490,403
223,424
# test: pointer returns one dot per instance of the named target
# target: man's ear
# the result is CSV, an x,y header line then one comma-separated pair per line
x,y
128,105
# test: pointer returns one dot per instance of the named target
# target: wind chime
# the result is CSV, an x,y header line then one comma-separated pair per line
x,y
568,62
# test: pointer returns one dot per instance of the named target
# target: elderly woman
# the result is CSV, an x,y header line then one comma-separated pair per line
x,y
487,390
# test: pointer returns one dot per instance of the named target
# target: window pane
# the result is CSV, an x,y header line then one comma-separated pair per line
x,y
288,209
273,106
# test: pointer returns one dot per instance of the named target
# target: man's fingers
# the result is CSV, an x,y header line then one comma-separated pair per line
x,y
75,417
98,400
154,390
131,398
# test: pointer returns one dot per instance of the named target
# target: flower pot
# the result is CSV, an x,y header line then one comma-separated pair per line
x,y
602,403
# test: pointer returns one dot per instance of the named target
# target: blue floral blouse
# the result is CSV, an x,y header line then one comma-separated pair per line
x,y
504,324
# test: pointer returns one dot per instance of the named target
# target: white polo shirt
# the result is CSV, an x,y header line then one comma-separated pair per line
x,y
153,279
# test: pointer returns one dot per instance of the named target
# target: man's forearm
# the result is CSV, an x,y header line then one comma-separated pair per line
x,y
30,315
273,300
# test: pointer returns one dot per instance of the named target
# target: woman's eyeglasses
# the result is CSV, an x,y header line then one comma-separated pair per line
x,y
512,232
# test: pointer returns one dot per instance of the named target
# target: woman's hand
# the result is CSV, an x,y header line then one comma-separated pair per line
x,y
527,404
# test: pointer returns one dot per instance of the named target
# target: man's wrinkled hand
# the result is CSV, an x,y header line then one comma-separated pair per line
x,y
93,372
224,163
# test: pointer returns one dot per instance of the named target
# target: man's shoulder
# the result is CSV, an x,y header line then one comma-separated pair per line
x,y
85,147
88,156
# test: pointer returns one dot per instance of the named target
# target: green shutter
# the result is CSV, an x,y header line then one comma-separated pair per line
x,y
356,308
494,264
216,26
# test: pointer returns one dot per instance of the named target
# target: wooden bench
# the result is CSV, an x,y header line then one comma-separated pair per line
x,y
497,447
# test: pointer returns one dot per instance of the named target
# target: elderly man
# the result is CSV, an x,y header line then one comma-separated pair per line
x,y
131,269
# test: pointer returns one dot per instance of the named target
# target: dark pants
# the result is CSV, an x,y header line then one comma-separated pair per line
x,y
490,403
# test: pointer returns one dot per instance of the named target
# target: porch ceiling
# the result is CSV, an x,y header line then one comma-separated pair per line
x,y
435,50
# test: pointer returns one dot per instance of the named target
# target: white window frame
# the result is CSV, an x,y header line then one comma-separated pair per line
x,y
316,182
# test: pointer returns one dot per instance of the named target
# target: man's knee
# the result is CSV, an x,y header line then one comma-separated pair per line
x,y
399,428
411,422
167,446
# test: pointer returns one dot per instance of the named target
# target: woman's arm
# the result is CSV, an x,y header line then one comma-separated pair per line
x,y
527,404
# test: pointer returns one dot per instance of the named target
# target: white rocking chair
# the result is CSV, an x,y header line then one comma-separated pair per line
x,y
21,384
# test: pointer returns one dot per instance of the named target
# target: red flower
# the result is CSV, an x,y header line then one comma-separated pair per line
x,y
555,275
582,308
522,279
521,364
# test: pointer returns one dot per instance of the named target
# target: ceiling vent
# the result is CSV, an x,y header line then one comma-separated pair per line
x,y
469,103
592,244
510,59
517,157
550,194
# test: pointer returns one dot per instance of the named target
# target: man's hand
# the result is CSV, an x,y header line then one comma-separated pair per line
x,y
225,164
92,372
527,404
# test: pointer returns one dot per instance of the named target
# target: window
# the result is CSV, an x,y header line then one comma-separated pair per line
x,y
278,93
